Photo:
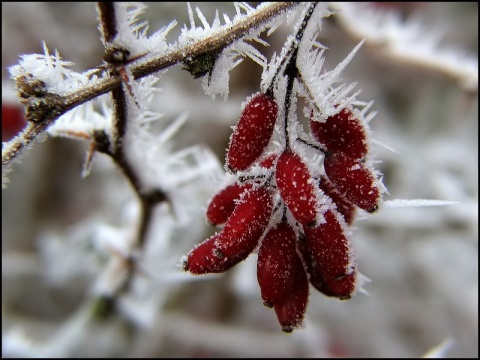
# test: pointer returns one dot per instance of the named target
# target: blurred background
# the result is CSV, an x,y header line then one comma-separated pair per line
x,y
422,262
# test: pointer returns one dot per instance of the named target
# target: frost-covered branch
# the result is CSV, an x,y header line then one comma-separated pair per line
x,y
139,68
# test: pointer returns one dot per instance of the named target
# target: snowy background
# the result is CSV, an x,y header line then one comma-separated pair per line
x,y
422,262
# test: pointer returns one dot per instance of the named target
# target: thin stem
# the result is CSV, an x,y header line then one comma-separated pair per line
x,y
107,20
314,146
294,44
291,70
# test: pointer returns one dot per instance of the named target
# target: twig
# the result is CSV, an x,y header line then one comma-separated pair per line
x,y
116,150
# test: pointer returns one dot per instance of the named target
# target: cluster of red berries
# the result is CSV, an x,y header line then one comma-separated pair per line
x,y
298,223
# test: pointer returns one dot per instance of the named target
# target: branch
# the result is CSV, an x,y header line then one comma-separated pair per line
x,y
117,59
139,69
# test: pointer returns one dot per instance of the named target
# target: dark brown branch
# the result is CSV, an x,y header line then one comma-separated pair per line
x,y
213,43
119,118
107,21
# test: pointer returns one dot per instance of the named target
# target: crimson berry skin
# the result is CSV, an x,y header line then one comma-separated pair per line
x,y
344,207
341,132
291,310
330,249
315,276
245,226
296,187
252,132
276,263
353,179
238,238
269,160
224,202
205,259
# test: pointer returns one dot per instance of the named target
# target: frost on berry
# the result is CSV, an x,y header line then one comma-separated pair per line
x,y
252,132
245,226
331,250
268,161
297,187
276,263
205,258
353,179
314,271
238,238
224,202
291,310
344,207
341,132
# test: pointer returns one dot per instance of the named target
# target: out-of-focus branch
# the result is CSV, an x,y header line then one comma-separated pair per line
x,y
407,42
115,148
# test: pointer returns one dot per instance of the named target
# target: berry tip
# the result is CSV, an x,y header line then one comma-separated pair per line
x,y
268,304
287,329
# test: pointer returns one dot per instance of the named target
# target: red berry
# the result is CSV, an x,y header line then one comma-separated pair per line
x,y
297,188
205,258
13,120
245,226
354,180
344,207
276,263
291,310
252,132
341,132
343,286
331,250
238,238
224,202
269,160
313,269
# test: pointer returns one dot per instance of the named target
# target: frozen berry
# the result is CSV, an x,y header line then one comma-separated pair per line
x,y
276,263
252,132
297,187
354,180
341,132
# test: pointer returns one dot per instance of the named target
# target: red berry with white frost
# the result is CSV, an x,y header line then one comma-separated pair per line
x,y
245,226
341,132
315,276
224,202
252,132
330,248
276,263
237,239
344,207
268,161
205,259
297,187
291,310
354,180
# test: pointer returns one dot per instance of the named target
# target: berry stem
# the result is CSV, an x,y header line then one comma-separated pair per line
x,y
291,53
289,63
314,146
